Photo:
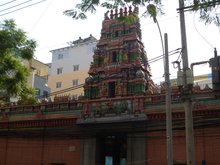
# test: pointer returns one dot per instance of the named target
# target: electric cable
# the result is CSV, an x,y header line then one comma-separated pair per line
x,y
200,33
62,91
162,55
180,53
42,14
7,3
15,5
23,7
172,52
43,48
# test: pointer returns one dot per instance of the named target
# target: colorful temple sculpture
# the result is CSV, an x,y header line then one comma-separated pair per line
x,y
120,65
121,118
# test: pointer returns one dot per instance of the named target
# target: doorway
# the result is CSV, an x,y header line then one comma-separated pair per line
x,y
111,150
111,89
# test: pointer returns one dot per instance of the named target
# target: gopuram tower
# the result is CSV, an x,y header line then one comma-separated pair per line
x,y
120,66
119,79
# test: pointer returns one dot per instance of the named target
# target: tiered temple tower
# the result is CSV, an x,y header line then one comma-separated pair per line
x,y
120,65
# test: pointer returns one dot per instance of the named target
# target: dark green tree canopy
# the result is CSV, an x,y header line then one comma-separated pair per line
x,y
208,8
14,41
14,47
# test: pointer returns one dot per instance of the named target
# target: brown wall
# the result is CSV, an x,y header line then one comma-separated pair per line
x,y
16,151
34,152
207,142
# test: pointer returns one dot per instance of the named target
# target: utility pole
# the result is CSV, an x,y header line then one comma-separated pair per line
x,y
169,134
187,83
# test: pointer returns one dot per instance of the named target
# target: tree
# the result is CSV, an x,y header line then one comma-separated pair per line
x,y
14,48
208,8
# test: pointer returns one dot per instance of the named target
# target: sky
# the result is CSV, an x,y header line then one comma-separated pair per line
x,y
44,21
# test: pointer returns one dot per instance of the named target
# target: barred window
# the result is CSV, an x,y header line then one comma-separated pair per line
x,y
58,84
75,67
75,82
59,70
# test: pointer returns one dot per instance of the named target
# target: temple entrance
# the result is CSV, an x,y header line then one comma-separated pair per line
x,y
111,89
111,150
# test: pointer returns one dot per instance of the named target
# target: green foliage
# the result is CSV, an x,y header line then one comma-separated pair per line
x,y
14,47
209,9
13,74
14,41
80,10
27,96
130,19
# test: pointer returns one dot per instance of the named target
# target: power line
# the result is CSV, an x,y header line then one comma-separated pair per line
x,y
46,47
62,91
23,7
194,24
15,6
172,52
41,15
200,5
162,20
7,3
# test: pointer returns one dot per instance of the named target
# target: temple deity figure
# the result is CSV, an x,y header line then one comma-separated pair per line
x,y
106,15
120,89
124,89
125,57
103,90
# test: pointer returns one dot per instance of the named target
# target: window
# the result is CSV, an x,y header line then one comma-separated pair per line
x,y
75,82
116,34
75,67
58,84
45,93
60,56
37,91
114,57
111,89
59,70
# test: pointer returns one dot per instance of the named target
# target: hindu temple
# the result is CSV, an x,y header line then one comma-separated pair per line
x,y
120,119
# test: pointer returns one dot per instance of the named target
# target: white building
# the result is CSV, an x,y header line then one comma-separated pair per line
x,y
70,66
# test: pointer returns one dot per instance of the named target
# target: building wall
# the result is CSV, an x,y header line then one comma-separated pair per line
x,y
15,151
41,86
66,81
26,151
206,141
201,80
41,68
73,55
80,54
36,68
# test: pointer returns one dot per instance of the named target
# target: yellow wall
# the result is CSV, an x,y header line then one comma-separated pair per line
x,y
66,80
41,68
36,67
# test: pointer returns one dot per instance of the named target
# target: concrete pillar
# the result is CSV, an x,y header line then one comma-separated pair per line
x,y
136,149
88,151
